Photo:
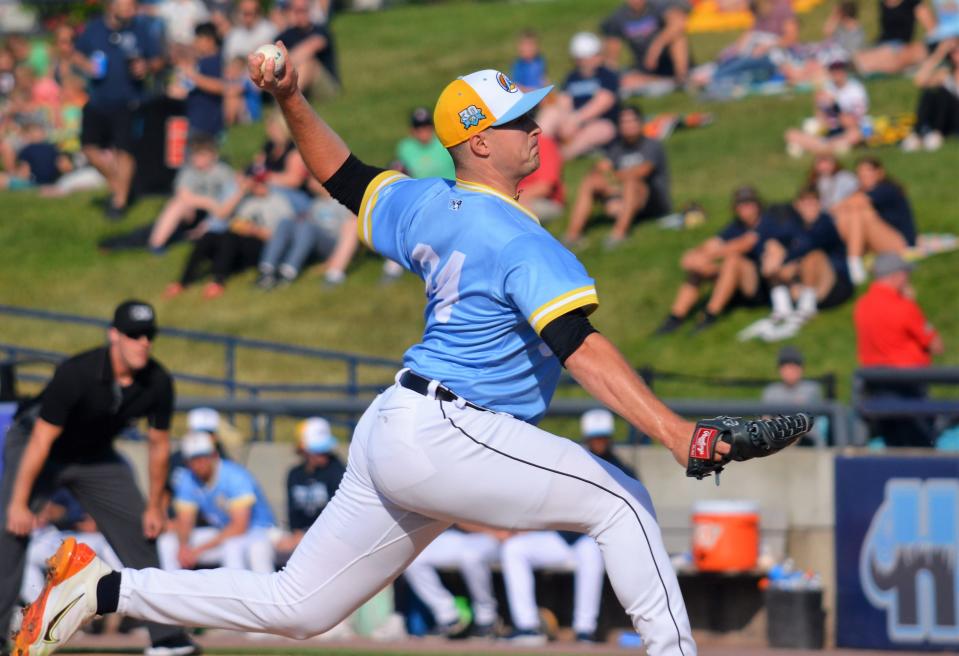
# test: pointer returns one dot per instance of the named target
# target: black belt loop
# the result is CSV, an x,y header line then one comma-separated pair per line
x,y
421,385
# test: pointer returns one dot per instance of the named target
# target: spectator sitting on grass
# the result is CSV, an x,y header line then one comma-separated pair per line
x,y
201,190
249,31
584,115
542,191
529,68
242,99
256,212
805,268
730,259
844,37
297,240
841,107
792,388
655,33
632,181
421,155
831,180
937,115
285,171
895,51
38,162
877,219
310,47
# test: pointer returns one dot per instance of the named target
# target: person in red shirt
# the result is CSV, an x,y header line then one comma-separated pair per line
x,y
892,331
542,191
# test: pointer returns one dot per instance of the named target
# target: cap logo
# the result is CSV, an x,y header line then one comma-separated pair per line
x,y
141,313
471,117
507,84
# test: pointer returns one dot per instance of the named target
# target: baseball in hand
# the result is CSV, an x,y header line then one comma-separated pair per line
x,y
269,52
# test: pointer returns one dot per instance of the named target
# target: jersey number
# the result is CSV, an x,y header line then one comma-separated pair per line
x,y
443,284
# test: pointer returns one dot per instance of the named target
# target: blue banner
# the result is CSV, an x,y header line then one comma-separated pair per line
x,y
897,548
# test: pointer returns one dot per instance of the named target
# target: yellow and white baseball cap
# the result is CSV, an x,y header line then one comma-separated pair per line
x,y
470,104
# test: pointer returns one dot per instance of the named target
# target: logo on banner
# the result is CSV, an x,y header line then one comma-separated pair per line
x,y
907,564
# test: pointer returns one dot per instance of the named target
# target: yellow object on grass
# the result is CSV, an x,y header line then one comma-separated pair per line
x,y
729,15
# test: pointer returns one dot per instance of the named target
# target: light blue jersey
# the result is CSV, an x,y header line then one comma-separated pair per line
x,y
231,487
494,279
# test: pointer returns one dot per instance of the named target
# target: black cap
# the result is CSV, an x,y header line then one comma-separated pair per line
x,y
420,117
135,318
790,355
745,194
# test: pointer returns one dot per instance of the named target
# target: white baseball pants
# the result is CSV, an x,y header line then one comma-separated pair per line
x,y
252,550
523,553
472,554
44,542
417,465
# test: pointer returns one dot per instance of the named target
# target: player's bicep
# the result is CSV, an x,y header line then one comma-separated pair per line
x,y
544,281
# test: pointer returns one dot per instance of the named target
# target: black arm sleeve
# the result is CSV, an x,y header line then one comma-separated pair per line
x,y
350,181
566,333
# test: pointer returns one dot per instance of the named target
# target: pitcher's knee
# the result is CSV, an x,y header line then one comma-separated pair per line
x,y
300,614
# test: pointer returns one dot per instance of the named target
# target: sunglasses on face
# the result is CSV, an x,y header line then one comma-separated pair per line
x,y
149,333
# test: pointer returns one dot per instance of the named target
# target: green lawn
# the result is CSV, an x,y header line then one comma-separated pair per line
x,y
397,59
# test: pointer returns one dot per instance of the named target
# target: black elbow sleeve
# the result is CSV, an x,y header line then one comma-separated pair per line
x,y
566,333
350,181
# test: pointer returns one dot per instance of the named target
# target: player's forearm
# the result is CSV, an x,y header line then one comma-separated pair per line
x,y
322,149
599,367
159,456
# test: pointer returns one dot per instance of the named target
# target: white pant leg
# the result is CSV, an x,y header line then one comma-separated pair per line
x,y
479,550
587,584
425,580
167,547
520,555
360,543
43,544
260,554
466,465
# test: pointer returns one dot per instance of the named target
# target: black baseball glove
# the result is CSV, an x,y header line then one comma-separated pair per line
x,y
747,439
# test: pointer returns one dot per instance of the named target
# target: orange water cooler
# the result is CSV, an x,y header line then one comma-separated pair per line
x,y
725,535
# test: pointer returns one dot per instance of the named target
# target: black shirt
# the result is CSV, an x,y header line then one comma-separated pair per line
x,y
86,402
327,56
42,160
893,207
309,492
897,22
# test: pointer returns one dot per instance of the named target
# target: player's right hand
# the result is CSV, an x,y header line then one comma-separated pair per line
x,y
264,76
20,521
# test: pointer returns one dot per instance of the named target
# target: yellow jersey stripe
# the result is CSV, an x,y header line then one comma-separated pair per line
x,y
243,502
364,225
583,297
484,189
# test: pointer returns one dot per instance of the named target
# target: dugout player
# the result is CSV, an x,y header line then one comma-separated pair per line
x,y
65,438
454,439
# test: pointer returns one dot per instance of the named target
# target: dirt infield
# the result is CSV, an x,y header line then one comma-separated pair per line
x,y
232,643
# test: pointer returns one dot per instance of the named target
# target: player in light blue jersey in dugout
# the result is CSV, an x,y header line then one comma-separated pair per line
x,y
454,440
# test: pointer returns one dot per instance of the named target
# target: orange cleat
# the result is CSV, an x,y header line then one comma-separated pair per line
x,y
67,601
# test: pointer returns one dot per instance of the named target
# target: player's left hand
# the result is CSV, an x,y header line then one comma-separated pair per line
x,y
153,522
745,440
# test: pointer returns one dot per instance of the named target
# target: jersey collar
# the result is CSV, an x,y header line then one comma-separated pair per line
x,y
486,189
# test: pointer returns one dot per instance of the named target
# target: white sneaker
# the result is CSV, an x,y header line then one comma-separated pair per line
x,y
794,150
67,601
932,141
784,328
911,144
755,329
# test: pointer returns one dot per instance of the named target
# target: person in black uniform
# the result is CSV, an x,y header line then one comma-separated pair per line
x,y
311,484
65,437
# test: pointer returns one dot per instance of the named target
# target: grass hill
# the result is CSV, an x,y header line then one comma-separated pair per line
x,y
395,60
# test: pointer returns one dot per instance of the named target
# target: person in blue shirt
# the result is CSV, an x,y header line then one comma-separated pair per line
x,y
204,78
118,51
240,526
529,67
583,116
455,438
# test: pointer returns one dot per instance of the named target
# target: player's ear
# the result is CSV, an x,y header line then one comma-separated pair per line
x,y
479,144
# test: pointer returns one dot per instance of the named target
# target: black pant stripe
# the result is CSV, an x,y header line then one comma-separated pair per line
x,y
679,640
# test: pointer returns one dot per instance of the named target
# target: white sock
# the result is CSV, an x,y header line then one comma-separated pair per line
x,y
857,270
806,305
782,301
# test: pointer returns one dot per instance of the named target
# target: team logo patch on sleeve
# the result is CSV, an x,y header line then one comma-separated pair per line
x,y
471,117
